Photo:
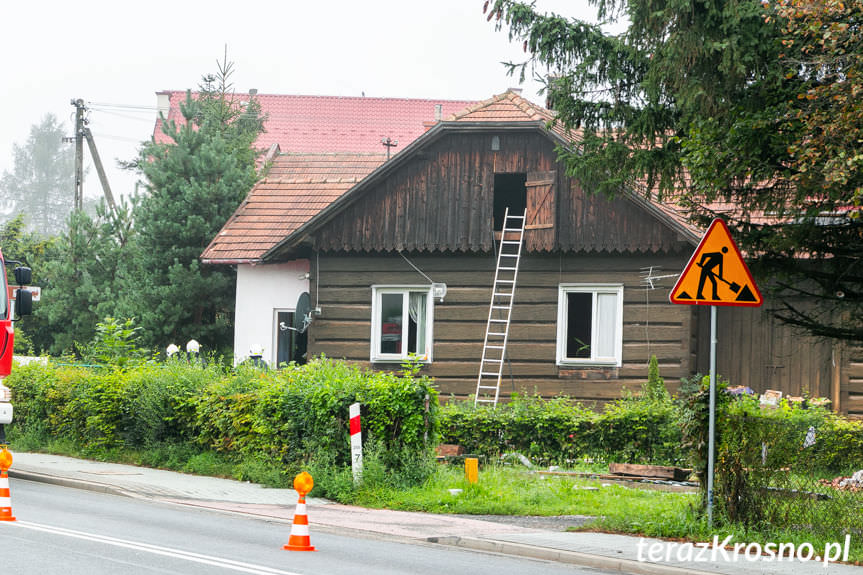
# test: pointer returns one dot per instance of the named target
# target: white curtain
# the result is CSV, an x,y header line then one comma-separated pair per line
x,y
417,303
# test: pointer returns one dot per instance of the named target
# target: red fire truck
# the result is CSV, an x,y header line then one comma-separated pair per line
x,y
22,305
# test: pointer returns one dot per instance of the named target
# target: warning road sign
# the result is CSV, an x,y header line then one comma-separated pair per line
x,y
716,273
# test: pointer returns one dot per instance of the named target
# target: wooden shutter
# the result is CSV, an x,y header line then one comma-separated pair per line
x,y
541,210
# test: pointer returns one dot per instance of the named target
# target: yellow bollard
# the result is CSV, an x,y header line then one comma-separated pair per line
x,y
471,469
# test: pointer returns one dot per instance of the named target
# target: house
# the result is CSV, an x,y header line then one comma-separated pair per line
x,y
431,215
400,258
319,147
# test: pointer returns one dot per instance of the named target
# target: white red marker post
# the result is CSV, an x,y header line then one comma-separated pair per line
x,y
356,443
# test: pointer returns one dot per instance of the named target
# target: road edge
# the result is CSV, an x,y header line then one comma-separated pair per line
x,y
563,556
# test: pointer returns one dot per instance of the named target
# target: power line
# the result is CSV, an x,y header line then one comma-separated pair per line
x,y
124,106
120,138
119,115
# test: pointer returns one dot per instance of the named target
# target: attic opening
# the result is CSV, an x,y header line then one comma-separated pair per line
x,y
510,192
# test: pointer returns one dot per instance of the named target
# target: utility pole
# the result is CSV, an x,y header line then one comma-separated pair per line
x,y
83,132
79,153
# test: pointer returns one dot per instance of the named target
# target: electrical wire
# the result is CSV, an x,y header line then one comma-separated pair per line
x,y
123,106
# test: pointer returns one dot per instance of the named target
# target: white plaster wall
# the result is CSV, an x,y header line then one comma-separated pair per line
x,y
262,289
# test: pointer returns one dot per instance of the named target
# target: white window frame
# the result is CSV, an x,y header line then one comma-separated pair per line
x,y
377,292
562,314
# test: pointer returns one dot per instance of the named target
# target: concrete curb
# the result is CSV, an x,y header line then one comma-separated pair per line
x,y
67,482
562,556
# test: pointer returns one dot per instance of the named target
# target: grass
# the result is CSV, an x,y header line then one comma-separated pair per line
x,y
617,508
508,491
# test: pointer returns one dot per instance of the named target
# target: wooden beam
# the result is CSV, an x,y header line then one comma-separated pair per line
x,y
836,391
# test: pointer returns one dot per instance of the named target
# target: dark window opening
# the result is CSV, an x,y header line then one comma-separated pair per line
x,y
290,344
510,192
579,314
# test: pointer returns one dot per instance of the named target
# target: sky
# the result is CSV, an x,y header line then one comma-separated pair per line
x,y
117,55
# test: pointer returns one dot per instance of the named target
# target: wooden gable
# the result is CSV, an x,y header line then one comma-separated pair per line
x,y
441,198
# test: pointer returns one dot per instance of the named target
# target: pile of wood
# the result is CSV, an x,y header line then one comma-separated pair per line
x,y
649,471
853,483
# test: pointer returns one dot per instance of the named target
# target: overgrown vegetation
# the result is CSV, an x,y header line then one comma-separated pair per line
x,y
267,424
772,461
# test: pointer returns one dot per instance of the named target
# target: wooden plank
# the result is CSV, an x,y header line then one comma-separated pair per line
x,y
657,471
855,404
340,329
546,388
855,386
470,369
638,351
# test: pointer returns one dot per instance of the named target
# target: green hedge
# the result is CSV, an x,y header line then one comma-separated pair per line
x,y
559,430
286,415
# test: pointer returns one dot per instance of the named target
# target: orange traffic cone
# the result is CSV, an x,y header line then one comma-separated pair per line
x,y
5,498
299,540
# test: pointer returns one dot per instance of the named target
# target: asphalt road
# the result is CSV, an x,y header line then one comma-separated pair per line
x,y
72,532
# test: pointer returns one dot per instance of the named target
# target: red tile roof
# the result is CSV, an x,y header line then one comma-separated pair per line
x,y
510,107
323,124
297,187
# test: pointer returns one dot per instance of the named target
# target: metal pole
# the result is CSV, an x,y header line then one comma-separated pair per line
x,y
712,425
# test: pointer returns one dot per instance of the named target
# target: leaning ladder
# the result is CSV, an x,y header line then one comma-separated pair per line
x,y
500,310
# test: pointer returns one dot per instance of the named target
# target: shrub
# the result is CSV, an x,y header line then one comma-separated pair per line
x,y
276,419
116,343
634,429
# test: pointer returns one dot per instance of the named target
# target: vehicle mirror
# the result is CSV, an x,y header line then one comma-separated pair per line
x,y
23,275
23,302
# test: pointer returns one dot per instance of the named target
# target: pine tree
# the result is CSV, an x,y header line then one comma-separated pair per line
x,y
80,280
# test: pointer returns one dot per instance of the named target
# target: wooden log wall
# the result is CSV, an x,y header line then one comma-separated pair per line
x,y
851,380
759,351
651,324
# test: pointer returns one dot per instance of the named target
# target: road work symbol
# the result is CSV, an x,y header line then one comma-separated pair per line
x,y
718,265
711,268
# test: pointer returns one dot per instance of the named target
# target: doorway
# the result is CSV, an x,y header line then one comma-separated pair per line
x,y
510,192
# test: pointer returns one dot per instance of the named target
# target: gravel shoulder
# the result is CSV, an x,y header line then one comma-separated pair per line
x,y
548,523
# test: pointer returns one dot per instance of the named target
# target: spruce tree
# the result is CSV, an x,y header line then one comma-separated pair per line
x,y
41,183
744,109
193,184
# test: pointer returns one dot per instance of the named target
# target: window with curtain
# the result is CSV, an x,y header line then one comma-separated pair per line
x,y
401,323
590,324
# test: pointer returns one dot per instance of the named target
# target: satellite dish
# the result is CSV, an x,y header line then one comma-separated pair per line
x,y
302,320
303,313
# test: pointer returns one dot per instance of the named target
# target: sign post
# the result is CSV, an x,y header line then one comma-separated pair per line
x,y
716,267
356,442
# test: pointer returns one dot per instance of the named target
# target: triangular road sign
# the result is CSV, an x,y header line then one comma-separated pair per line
x,y
716,273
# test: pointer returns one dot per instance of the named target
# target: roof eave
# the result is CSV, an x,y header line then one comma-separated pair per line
x,y
646,204
230,261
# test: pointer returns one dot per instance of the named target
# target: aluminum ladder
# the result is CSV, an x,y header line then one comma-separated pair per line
x,y
500,310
